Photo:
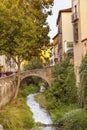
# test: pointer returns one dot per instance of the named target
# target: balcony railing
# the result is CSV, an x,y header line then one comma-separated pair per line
x,y
75,17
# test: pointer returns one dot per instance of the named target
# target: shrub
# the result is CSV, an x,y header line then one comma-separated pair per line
x,y
64,87
75,120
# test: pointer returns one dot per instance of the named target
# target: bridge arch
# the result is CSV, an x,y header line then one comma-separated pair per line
x,y
44,73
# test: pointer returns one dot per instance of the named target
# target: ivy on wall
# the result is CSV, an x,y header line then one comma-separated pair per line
x,y
83,82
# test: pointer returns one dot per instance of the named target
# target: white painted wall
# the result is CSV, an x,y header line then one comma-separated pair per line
x,y
83,18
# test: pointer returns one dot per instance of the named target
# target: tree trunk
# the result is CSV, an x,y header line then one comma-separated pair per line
x,y
18,81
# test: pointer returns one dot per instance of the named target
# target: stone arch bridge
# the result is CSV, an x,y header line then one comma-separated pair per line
x,y
8,84
44,73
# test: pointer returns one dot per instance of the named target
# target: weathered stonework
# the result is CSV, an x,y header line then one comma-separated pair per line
x,y
45,73
7,89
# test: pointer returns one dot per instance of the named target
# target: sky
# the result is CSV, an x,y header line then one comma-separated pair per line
x,y
58,5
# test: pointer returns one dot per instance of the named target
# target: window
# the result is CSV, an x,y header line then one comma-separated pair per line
x,y
75,9
75,30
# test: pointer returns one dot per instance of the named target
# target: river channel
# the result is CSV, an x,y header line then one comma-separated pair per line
x,y
39,114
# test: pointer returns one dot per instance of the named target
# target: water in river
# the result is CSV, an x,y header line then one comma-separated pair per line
x,y
39,114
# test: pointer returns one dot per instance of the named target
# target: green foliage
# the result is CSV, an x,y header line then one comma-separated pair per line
x,y
64,87
61,96
74,120
18,116
28,89
35,81
34,63
57,110
69,44
23,27
83,82
84,64
60,111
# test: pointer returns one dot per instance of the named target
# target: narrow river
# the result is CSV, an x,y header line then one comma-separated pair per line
x,y
39,114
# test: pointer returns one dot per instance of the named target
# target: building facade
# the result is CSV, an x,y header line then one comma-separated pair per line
x,y
52,56
7,64
65,33
2,63
55,46
79,15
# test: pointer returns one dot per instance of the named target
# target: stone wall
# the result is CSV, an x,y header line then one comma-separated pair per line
x,y
7,89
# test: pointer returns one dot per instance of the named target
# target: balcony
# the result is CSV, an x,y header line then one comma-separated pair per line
x,y
69,49
75,17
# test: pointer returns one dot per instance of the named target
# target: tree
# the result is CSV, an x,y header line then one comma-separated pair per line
x,y
34,63
63,90
23,29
